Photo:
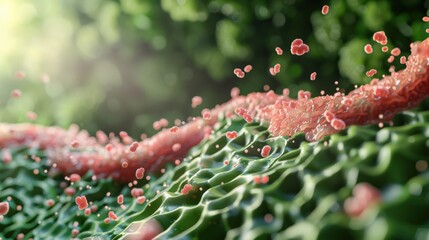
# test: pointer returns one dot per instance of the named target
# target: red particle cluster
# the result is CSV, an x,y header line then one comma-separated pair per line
x,y
265,151
368,49
140,173
325,9
113,216
298,47
231,134
248,68
239,73
4,208
81,202
141,199
185,190
261,179
136,192
371,72
196,101
157,125
380,37
279,51
313,76
364,195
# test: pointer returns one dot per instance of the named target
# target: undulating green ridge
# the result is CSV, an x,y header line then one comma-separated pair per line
x,y
303,199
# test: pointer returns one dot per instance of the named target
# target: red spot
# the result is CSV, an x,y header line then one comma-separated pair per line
x,y
69,191
185,190
395,52
6,156
279,51
74,177
140,173
75,232
265,179
329,116
16,93
403,60
248,68
235,92
226,162
277,68
177,162
20,75
81,202
364,195
248,118
298,47
231,135
425,19
109,147
368,49
120,199
176,147
136,192
380,92
134,146
174,129
390,59
272,72
106,220
380,37
74,144
257,179
113,216
313,76
4,208
338,124
239,73
385,49
265,151
196,101
49,203
141,199
31,116
87,211
325,9
371,72
206,114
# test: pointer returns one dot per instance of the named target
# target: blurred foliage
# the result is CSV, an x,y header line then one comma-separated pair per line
x,y
121,64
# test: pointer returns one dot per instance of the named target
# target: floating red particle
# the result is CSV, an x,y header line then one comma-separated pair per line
x,y
74,144
239,73
20,75
140,173
174,129
403,60
176,147
298,47
231,134
329,116
31,116
113,216
313,76
75,232
134,146
136,192
4,208
380,37
69,191
6,156
81,202
141,199
257,179
272,72
276,68
185,190
16,93
248,68
395,52
235,92
425,19
247,118
385,49
196,101
265,179
368,49
120,199
338,124
87,211
371,72
325,9
391,59
364,195
74,177
206,114
266,151
50,202
279,51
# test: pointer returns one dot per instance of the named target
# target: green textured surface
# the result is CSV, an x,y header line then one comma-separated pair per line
x,y
308,183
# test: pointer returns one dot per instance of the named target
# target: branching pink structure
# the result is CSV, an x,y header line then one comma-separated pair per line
x,y
316,117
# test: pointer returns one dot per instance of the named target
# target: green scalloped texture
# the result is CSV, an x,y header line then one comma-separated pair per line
x,y
303,199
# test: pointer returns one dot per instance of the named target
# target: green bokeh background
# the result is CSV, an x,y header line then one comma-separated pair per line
x,y
122,64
